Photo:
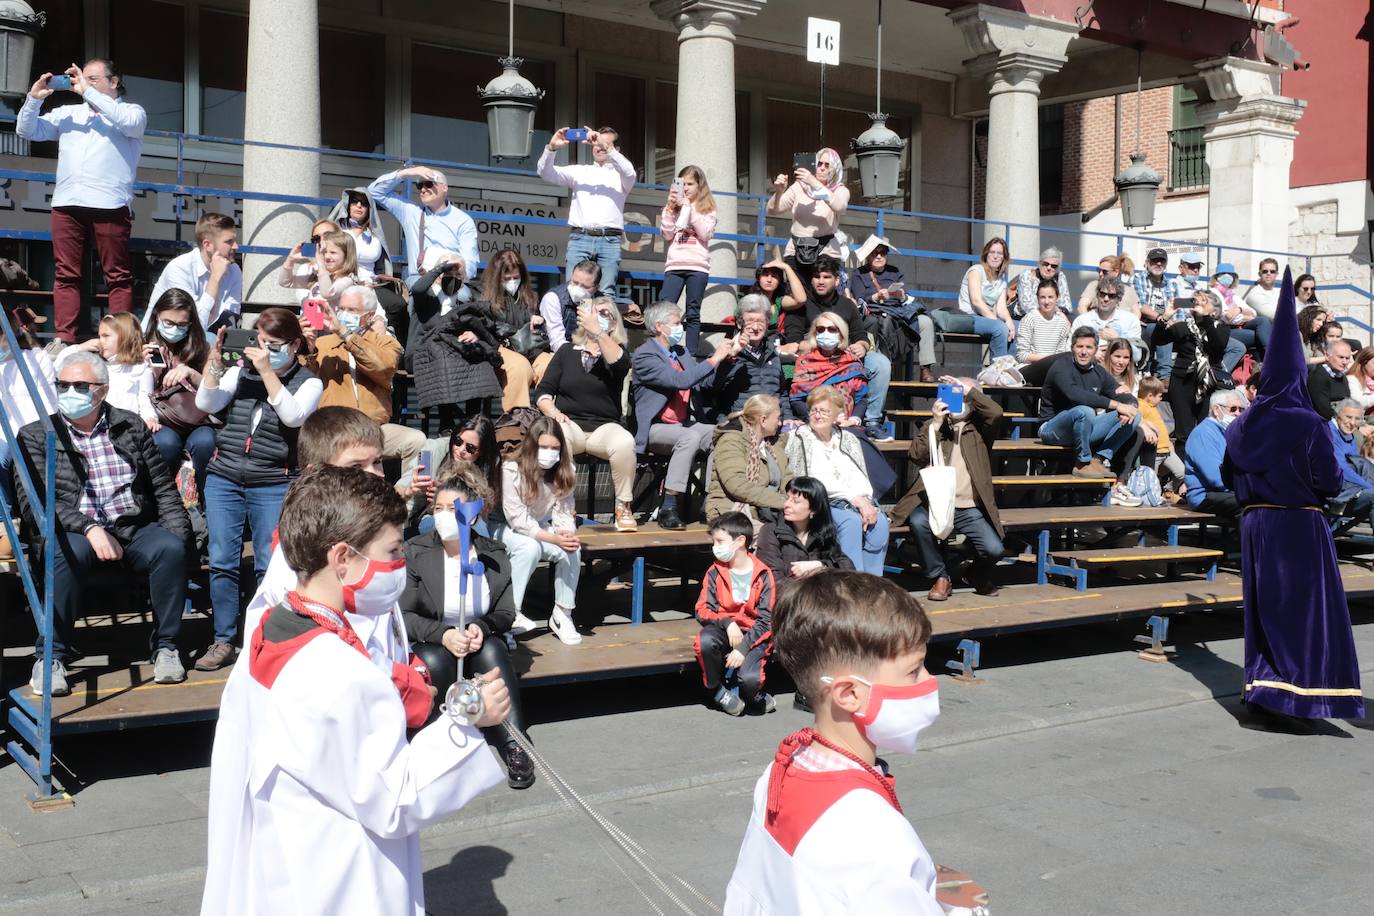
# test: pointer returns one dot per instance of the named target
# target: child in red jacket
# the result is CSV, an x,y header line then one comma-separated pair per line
x,y
734,610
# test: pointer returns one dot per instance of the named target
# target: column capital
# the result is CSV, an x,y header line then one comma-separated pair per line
x,y
1246,100
1013,50
706,18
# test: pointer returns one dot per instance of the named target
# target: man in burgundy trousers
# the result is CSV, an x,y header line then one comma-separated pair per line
x,y
98,145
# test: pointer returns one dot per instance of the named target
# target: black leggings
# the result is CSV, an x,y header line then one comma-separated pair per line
x,y
443,671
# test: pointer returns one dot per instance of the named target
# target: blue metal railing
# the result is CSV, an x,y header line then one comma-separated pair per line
x,y
33,723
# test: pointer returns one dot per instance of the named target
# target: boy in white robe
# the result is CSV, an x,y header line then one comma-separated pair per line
x,y
316,796
827,834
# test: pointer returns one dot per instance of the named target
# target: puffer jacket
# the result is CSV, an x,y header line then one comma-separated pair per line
x,y
154,491
729,481
449,372
779,547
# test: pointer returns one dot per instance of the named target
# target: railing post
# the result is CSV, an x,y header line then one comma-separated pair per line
x,y
761,233
880,227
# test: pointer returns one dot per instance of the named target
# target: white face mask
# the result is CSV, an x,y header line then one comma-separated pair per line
x,y
724,552
512,285
379,588
1226,419
894,717
548,457
446,524
577,293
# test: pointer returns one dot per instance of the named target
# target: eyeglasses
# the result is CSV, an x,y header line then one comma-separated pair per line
x,y
824,328
82,387
1050,264
175,324
315,239
425,185
819,413
466,447
756,325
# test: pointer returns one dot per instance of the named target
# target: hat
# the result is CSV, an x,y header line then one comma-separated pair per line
x,y
870,245
1156,254
1225,267
1191,257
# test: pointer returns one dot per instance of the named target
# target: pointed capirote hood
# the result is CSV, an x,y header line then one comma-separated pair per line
x,y
1282,410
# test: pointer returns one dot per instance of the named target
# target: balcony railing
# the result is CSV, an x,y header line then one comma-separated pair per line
x,y
1187,159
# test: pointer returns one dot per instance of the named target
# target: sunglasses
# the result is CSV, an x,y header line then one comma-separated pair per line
x,y
275,348
315,239
465,446
1307,289
823,328
82,387
1268,270
425,185
1050,264
1235,408
1159,261
1109,296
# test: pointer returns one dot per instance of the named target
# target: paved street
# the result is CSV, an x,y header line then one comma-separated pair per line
x,y
1077,779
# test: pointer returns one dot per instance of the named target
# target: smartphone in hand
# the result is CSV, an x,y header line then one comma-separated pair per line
x,y
953,396
235,341
312,313
308,249
804,161
156,360
575,134
425,466
60,82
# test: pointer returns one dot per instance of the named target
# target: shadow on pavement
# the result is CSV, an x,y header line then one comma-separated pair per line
x,y
466,885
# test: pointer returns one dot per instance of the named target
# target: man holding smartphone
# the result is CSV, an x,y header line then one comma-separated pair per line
x,y
98,145
596,214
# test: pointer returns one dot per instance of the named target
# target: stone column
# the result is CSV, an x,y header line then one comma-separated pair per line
x,y
1249,129
282,106
1013,51
706,120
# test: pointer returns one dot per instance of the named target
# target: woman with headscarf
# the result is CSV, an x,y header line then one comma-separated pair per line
x,y
356,214
815,202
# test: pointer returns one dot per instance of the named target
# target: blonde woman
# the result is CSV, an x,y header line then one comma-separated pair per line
x,y
583,390
749,470
1117,268
688,222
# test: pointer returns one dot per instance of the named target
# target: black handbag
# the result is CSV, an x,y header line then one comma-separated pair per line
x,y
530,341
806,250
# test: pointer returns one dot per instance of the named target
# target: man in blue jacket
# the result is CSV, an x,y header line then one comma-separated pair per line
x,y
1203,454
663,377
1357,491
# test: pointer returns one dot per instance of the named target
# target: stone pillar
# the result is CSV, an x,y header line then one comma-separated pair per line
x,y
1249,129
706,120
282,106
1013,51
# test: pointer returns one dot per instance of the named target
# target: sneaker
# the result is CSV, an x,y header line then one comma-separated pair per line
x,y
1120,496
523,625
728,701
216,657
1093,469
876,431
6,548
801,703
625,518
669,520
167,667
59,679
510,641
561,623
519,767
763,704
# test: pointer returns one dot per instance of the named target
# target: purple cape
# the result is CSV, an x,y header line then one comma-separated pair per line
x,y
1299,647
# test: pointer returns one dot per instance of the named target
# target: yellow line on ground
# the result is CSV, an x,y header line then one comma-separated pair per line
x,y
149,686
1069,596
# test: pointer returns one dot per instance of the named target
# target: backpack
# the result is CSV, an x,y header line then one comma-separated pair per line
x,y
512,426
1144,483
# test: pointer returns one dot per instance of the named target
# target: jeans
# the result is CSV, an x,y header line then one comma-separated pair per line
x,y
7,492
995,329
1089,431
866,549
695,282
201,445
971,523
878,368
1254,332
71,226
525,554
153,551
603,249
1235,352
227,506
681,444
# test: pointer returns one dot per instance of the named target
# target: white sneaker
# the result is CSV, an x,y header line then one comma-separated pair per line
x,y
59,679
562,625
1123,497
523,624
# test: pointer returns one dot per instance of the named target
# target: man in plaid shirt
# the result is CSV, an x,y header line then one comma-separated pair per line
x,y
115,503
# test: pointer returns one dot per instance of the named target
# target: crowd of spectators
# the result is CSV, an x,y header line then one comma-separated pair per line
x,y
180,433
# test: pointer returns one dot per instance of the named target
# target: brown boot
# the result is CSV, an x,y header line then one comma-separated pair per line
x,y
1094,469
941,589
927,374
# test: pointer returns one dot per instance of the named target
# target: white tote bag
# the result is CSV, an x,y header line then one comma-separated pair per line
x,y
939,484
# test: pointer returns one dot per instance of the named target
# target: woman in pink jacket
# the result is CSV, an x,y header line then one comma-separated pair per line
x,y
688,221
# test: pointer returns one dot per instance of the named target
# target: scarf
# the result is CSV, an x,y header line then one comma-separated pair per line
x,y
840,370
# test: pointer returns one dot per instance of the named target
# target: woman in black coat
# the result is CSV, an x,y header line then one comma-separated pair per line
x,y
1199,340
447,627
802,541
453,353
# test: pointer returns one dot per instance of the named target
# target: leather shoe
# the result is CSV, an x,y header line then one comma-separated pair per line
x,y
927,374
519,767
984,585
669,520
941,589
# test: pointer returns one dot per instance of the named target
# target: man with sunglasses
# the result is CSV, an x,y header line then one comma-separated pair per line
x,y
1263,297
1205,450
115,503
1110,321
1051,259
1190,278
432,223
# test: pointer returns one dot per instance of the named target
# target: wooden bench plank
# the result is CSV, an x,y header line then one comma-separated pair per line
x,y
1163,553
1000,447
1105,516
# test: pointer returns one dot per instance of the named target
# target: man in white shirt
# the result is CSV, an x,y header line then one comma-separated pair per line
x,y
98,145
596,213
559,306
432,223
1111,322
1263,297
208,273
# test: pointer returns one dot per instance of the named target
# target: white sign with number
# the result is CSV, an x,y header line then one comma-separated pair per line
x,y
823,41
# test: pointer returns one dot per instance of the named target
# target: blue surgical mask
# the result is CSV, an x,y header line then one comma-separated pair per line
x,y
1226,279
605,323
172,333
75,404
827,340
349,321
282,358
677,334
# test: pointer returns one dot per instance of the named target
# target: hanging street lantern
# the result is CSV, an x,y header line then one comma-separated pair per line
x,y
1136,186
19,26
879,151
510,101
